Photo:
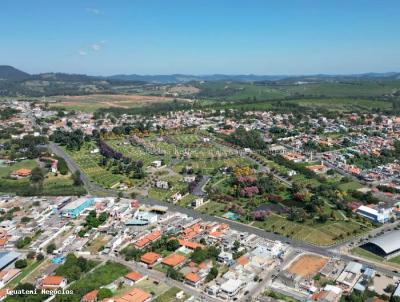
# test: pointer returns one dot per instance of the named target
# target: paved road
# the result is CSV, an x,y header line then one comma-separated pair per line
x,y
198,189
325,251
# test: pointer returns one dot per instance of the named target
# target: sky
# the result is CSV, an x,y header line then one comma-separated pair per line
x,y
106,37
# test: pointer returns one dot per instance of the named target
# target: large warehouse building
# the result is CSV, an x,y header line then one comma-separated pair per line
x,y
387,245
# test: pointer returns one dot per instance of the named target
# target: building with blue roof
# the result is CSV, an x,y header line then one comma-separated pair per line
x,y
75,208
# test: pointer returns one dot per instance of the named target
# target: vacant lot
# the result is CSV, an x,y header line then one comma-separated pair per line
x,y
307,265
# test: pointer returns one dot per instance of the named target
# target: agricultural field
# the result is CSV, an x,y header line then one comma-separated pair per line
x,y
342,104
133,151
89,164
90,103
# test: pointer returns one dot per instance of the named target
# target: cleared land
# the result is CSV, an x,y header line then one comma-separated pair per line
x,y
307,265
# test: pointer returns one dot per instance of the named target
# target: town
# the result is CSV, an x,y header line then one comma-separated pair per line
x,y
198,204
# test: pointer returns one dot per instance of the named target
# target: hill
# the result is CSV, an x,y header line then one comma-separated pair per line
x,y
10,73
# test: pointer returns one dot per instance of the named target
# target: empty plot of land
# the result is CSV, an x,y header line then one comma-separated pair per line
x,y
307,265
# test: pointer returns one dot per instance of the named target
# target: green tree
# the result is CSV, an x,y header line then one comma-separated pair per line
x,y
21,263
37,176
104,293
51,248
172,245
213,273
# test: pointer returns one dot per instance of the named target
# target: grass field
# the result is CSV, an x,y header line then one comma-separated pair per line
x,y
26,164
93,102
52,185
342,104
170,296
25,272
149,286
323,235
89,164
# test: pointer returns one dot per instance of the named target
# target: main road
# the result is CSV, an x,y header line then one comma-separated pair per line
x,y
95,189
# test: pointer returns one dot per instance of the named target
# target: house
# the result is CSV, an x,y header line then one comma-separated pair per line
x,y
54,165
7,275
318,169
231,287
192,245
189,178
3,293
276,149
174,260
350,275
21,173
147,239
156,163
330,293
134,295
132,278
225,257
162,184
150,258
192,279
197,202
53,282
94,151
90,296
176,197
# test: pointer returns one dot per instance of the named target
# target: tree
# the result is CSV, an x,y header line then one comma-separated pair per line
x,y
51,248
25,219
21,263
213,273
104,293
236,245
172,245
39,257
37,176
31,255
76,177
174,274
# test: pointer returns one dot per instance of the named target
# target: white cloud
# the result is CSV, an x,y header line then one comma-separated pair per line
x,y
95,47
94,11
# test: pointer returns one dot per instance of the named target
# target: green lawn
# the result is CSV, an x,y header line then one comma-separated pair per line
x,y
26,164
170,296
26,271
150,287
323,234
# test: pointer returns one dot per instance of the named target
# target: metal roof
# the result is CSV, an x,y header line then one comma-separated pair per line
x,y
389,242
7,257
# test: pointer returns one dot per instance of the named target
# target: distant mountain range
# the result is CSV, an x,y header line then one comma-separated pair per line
x,y
9,73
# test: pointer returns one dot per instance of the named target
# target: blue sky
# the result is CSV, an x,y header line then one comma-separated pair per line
x,y
104,37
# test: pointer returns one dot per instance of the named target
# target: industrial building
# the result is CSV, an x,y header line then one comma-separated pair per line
x,y
379,216
387,245
75,208
6,258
